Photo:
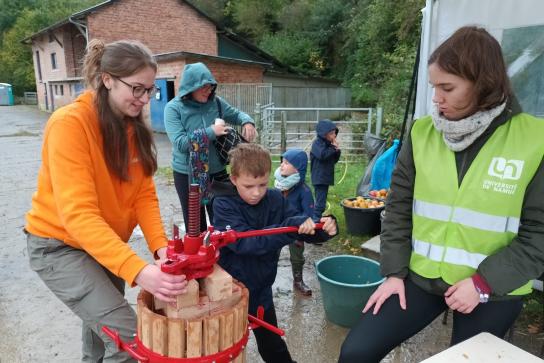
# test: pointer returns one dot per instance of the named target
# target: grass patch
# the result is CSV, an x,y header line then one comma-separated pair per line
x,y
531,318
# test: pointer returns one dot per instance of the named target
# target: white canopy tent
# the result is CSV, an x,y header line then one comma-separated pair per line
x,y
518,25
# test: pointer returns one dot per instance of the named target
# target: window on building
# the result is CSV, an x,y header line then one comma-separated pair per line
x,y
51,37
39,65
62,90
54,60
56,89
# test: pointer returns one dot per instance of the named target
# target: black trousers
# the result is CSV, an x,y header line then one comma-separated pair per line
x,y
321,191
376,335
272,347
181,182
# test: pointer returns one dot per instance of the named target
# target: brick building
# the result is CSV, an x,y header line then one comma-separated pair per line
x,y
175,31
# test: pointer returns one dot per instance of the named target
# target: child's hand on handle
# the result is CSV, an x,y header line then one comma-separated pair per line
x,y
163,286
329,225
308,227
391,285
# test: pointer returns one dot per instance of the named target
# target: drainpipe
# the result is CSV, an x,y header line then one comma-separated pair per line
x,y
82,27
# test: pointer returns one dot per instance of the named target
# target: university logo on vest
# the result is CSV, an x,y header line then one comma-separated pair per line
x,y
504,170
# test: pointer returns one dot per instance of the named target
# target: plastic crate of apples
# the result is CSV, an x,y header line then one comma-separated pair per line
x,y
363,203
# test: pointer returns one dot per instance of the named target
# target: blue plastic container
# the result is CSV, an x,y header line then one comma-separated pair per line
x,y
6,95
346,285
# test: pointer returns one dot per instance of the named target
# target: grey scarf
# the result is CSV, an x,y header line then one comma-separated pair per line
x,y
458,135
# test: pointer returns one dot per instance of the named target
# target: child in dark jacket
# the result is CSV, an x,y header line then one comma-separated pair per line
x,y
324,155
251,205
290,180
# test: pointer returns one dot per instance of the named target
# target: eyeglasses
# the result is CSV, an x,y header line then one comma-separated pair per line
x,y
138,91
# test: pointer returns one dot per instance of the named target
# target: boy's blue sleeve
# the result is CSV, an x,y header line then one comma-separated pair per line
x,y
322,151
320,235
225,215
337,155
233,115
307,202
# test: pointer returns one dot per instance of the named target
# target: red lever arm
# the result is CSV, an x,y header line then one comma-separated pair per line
x,y
270,231
131,349
220,239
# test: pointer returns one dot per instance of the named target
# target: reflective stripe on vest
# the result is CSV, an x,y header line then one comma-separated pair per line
x,y
466,217
453,255
456,226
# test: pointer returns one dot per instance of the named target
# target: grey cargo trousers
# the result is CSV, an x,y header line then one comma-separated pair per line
x,y
93,293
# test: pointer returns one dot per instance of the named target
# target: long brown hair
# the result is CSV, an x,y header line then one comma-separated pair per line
x,y
473,54
119,59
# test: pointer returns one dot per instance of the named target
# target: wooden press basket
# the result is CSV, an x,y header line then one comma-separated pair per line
x,y
205,328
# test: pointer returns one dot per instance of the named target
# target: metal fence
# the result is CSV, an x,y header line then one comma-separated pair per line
x,y
30,98
244,96
279,130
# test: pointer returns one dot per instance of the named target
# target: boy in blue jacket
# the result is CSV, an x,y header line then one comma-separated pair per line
x,y
324,155
290,181
249,204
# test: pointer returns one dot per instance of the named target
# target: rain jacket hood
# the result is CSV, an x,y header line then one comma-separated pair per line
x,y
184,116
299,159
194,76
324,127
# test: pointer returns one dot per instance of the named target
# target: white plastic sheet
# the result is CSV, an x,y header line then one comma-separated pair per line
x,y
508,21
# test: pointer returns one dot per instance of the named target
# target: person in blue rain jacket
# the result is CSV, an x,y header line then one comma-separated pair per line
x,y
195,109
290,180
324,155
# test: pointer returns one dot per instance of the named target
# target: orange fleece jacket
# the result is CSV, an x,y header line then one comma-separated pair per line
x,y
80,202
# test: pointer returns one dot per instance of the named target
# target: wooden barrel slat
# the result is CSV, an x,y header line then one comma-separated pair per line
x,y
193,331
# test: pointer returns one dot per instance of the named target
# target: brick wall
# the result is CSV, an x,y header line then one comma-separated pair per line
x,y
224,72
74,49
165,26
46,48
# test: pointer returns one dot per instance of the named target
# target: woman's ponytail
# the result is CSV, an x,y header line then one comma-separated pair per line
x,y
92,63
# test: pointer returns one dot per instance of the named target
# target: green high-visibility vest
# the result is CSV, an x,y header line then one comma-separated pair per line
x,y
455,227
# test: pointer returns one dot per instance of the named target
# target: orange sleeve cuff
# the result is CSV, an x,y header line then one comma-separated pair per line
x,y
131,268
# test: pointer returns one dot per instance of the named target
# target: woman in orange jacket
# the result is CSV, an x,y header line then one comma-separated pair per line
x,y
95,185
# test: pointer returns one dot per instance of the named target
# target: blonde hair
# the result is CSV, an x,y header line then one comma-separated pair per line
x,y
119,59
250,159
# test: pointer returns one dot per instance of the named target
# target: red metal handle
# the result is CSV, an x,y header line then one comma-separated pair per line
x,y
271,231
256,322
127,347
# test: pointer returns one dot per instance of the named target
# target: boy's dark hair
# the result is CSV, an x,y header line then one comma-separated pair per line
x,y
250,159
473,54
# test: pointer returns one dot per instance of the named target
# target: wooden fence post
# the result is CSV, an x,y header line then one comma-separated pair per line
x,y
283,131
258,123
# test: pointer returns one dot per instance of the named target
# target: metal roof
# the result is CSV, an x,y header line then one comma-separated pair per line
x,y
174,55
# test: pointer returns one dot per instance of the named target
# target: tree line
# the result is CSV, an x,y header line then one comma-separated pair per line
x,y
368,45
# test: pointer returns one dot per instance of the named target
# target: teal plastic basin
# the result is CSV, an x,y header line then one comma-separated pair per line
x,y
346,285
